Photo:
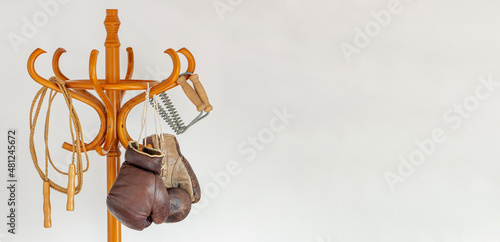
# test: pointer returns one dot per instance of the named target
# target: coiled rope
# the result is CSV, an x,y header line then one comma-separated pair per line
x,y
76,136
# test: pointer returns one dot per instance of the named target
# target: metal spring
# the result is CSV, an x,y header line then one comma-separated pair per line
x,y
171,116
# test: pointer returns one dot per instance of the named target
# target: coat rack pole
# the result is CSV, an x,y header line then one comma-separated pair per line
x,y
112,44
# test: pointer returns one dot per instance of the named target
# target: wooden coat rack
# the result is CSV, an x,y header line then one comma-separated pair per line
x,y
111,90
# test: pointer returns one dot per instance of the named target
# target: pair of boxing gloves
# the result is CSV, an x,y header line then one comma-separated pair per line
x,y
154,185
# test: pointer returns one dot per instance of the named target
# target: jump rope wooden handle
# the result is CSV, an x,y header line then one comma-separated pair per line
x,y
201,92
70,206
47,222
189,91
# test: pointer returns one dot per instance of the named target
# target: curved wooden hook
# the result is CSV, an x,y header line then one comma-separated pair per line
x,y
96,106
167,84
130,69
55,63
31,70
58,73
130,66
190,58
107,103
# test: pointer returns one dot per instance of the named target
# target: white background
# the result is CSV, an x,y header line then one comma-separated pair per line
x,y
320,178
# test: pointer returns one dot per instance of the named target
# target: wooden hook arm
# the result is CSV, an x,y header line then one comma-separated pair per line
x,y
130,66
110,130
58,73
167,84
55,63
130,69
96,106
190,58
31,70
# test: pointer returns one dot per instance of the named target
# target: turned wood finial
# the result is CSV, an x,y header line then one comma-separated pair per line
x,y
112,24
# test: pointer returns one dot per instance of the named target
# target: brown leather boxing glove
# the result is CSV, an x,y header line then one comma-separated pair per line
x,y
176,170
180,205
138,196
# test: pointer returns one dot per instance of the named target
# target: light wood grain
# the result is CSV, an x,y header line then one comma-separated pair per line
x,y
70,206
190,93
47,222
201,92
